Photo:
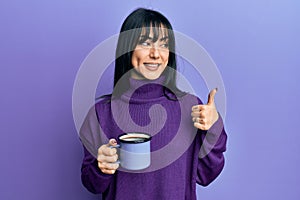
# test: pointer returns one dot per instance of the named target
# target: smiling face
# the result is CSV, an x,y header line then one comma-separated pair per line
x,y
151,55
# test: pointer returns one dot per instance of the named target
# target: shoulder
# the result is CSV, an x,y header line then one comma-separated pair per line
x,y
190,99
103,100
103,103
187,101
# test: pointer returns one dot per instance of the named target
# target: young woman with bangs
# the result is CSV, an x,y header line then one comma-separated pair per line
x,y
145,76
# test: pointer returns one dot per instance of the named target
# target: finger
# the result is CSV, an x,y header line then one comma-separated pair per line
x,y
211,96
112,142
108,166
109,159
107,151
195,114
112,166
111,170
201,114
198,120
195,119
197,108
200,126
200,108
202,121
107,171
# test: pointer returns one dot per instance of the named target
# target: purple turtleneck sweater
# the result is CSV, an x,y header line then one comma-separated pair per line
x,y
181,155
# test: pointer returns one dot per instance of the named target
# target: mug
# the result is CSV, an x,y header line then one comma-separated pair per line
x,y
135,153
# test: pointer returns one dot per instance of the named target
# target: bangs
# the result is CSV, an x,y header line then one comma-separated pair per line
x,y
158,29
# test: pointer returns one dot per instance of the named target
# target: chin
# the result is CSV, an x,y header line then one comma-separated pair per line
x,y
152,77
145,75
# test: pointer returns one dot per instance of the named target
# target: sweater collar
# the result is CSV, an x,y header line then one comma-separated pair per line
x,y
145,89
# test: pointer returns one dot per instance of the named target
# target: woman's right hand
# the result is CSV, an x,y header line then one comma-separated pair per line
x,y
107,157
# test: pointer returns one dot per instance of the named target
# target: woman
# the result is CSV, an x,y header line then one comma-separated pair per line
x,y
145,97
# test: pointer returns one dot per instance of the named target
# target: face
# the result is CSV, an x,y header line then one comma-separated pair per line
x,y
149,59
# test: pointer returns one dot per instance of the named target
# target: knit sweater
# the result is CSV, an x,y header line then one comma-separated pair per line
x,y
181,155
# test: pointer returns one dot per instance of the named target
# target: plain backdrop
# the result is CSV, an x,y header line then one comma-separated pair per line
x,y
254,43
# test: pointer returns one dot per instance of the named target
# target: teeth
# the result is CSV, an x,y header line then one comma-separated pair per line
x,y
151,65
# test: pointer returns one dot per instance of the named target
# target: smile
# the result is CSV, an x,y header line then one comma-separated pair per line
x,y
152,66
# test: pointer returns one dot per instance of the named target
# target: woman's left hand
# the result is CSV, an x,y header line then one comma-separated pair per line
x,y
204,116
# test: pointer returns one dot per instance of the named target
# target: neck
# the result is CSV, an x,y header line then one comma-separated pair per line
x,y
145,89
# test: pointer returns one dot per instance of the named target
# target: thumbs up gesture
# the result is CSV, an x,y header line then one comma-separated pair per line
x,y
204,116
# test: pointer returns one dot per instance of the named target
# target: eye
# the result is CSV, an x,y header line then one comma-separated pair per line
x,y
165,45
146,44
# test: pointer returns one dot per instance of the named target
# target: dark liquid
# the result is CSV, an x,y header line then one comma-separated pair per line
x,y
135,138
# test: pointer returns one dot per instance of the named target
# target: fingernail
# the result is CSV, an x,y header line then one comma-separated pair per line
x,y
113,141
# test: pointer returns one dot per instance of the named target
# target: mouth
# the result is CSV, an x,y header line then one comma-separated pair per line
x,y
152,66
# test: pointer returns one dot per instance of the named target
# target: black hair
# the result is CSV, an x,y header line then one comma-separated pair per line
x,y
145,20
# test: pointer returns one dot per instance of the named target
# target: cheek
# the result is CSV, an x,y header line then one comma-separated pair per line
x,y
165,57
134,60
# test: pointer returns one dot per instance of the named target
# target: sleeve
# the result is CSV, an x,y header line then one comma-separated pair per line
x,y
92,137
91,176
211,159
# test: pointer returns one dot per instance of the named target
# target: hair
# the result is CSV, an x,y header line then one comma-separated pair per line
x,y
144,21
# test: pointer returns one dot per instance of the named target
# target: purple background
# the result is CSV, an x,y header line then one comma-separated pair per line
x,y
254,43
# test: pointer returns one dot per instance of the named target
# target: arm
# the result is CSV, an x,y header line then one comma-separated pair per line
x,y
92,137
91,176
211,158
212,138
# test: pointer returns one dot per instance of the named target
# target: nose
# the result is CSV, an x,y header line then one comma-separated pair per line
x,y
154,53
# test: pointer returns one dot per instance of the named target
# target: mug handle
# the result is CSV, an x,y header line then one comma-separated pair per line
x,y
116,147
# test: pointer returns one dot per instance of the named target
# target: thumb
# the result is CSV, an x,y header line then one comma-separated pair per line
x,y
112,142
211,96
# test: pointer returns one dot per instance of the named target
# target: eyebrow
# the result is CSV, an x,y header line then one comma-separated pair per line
x,y
164,38
150,38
